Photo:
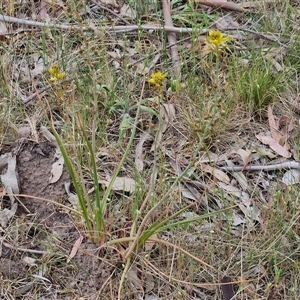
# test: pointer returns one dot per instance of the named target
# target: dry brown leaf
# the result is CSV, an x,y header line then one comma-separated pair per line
x,y
9,178
237,219
7,214
250,210
128,11
135,282
167,112
10,182
125,184
110,2
39,66
285,125
267,140
230,189
240,177
72,198
264,152
167,115
56,170
139,162
149,245
189,191
291,177
3,28
274,128
245,155
30,261
2,191
220,175
75,248
280,129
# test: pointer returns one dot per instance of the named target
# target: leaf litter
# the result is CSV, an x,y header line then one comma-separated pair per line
x,y
10,183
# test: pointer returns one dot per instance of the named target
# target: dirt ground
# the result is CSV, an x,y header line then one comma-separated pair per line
x,y
35,251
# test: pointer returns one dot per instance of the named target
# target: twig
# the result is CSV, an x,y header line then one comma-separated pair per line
x,y
125,28
47,87
259,34
7,245
286,165
116,29
120,29
8,19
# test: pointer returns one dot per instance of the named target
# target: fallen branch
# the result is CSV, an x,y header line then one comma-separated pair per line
x,y
128,28
171,36
33,251
286,165
42,90
116,29
8,19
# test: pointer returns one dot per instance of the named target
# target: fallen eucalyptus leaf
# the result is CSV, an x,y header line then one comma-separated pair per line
x,y
291,177
274,145
139,162
9,178
125,184
56,170
220,175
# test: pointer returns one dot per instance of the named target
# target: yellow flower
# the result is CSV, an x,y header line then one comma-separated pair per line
x,y
157,79
217,38
55,73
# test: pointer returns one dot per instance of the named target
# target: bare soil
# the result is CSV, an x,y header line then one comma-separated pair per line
x,y
45,227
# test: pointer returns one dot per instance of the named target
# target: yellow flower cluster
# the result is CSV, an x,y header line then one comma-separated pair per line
x,y
157,79
217,38
55,73
217,41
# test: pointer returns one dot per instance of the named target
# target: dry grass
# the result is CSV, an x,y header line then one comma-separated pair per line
x,y
219,108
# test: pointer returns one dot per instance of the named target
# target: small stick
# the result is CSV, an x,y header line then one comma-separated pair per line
x,y
7,245
117,29
259,34
45,88
5,18
171,35
125,28
286,165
